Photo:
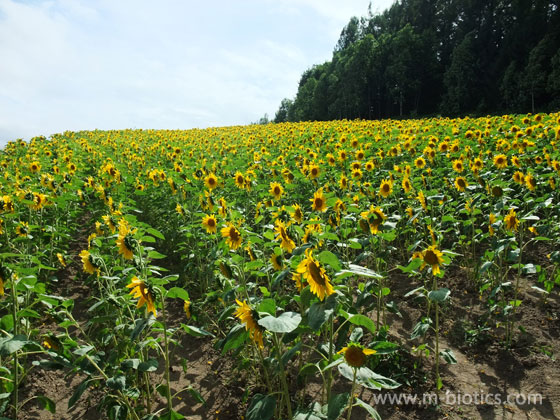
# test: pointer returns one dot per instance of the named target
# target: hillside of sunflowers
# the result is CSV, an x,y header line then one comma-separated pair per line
x,y
281,271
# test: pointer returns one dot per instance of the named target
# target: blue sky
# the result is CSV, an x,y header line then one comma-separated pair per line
x,y
108,64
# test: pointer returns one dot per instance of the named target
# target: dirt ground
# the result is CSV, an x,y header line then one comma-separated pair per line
x,y
483,367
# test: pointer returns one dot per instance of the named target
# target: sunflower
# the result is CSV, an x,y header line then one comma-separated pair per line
x,y
211,181
375,217
233,236
35,167
249,317
125,241
90,266
386,188
281,233
318,200
530,182
296,277
1,284
518,177
422,199
239,180
61,259
491,219
461,183
500,161
458,165
343,182
433,257
277,262
110,222
315,275
187,308
297,214
355,354
314,171
511,221
210,223
406,185
420,162
142,291
276,190
22,229
179,209
478,164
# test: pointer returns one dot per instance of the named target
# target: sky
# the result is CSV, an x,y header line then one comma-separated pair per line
x,y
174,64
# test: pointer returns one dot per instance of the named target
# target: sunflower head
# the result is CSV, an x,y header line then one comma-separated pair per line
x,y
356,355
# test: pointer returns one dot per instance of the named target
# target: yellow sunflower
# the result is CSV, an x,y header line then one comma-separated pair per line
x,y
233,236
433,257
518,177
297,214
22,229
89,265
249,317
458,166
210,223
125,241
281,233
276,190
142,291
277,262
406,185
500,161
356,355
239,180
318,200
461,183
211,181
511,221
530,182
386,188
315,275
420,162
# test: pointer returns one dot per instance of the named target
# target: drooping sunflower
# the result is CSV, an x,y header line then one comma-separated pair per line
x,y
89,264
249,317
125,241
491,220
518,177
500,161
187,308
356,355
211,181
511,221
276,190
297,214
433,257
233,236
210,223
142,291
461,183
315,275
281,233
110,222
318,200
530,182
22,229
277,262
60,258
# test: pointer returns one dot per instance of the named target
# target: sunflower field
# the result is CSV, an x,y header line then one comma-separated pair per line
x,y
292,250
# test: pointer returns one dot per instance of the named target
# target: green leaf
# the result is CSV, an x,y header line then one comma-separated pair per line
x,y
319,312
130,364
287,356
448,356
362,321
11,345
83,350
337,403
439,295
384,347
421,328
149,366
7,322
196,332
367,378
261,407
285,323
117,383
47,403
327,257
155,255
235,338
156,233
196,395
78,393
172,415
177,292
268,306
371,411
358,270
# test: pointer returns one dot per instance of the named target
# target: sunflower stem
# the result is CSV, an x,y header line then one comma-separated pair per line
x,y
351,401
14,315
283,376
166,356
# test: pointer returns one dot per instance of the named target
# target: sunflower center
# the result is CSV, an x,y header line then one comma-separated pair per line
x,y
430,257
233,234
276,190
354,356
318,202
316,274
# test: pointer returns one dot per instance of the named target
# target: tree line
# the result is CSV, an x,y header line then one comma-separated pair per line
x,y
445,57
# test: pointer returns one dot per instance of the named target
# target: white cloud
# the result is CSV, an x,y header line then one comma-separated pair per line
x,y
77,64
